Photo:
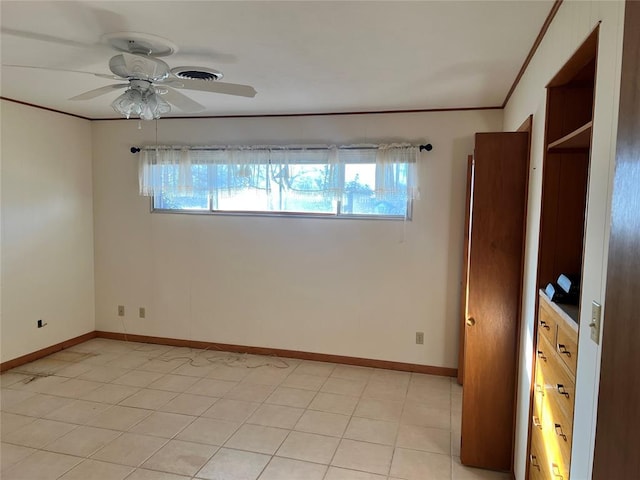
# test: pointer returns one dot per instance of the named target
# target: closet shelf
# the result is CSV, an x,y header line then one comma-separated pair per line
x,y
579,139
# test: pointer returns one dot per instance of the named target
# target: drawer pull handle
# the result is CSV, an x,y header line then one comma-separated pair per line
x,y
545,325
536,422
561,390
563,349
541,355
556,471
534,461
559,431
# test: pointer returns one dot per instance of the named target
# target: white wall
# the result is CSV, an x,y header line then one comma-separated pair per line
x,y
349,287
47,229
572,24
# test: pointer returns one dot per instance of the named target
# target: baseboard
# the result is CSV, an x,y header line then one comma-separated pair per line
x,y
33,356
320,357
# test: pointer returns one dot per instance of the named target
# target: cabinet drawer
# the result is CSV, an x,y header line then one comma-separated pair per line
x,y
567,346
547,325
555,381
537,457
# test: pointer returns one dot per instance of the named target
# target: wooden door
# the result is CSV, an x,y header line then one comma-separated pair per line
x,y
617,445
499,183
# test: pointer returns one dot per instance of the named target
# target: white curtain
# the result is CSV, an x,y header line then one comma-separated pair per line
x,y
217,170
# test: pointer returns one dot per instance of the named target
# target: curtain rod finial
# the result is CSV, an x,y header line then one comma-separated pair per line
x,y
135,150
428,147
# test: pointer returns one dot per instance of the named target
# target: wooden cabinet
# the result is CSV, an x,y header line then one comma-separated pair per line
x,y
565,178
554,387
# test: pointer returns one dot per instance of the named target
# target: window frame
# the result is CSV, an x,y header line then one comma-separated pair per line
x,y
261,213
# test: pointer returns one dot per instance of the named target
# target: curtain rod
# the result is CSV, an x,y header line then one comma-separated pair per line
x,y
428,147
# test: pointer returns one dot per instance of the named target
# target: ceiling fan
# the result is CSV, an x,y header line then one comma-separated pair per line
x,y
151,85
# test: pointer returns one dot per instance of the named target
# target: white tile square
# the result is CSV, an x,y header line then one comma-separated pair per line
x,y
367,457
224,372
111,394
95,470
335,473
79,411
74,388
129,449
173,383
257,438
143,474
231,410
352,372
416,465
35,405
102,373
304,382
10,422
291,397
309,447
137,378
321,369
188,404
41,465
229,464
38,433
433,440
119,418
211,387
250,392
344,386
287,469
369,430
12,454
334,403
149,399
417,413
276,416
322,423
162,424
83,441
184,458
389,410
208,430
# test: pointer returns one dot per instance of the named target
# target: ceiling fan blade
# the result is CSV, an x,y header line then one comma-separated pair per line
x,y
99,91
46,38
181,101
101,75
213,87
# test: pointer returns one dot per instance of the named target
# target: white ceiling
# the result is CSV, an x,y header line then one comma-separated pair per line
x,y
301,57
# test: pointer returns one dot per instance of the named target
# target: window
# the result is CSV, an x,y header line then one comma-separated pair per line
x,y
313,181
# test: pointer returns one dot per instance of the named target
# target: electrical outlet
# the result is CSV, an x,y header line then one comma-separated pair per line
x,y
420,338
596,314
141,312
121,310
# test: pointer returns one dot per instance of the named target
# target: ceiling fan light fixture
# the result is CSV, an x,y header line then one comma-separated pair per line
x,y
147,105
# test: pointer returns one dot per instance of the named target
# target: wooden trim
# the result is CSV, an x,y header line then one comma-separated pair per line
x,y
30,357
527,127
272,115
534,49
376,112
465,271
319,357
616,435
43,108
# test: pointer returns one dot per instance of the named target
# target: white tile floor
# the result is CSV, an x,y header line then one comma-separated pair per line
x,y
112,410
